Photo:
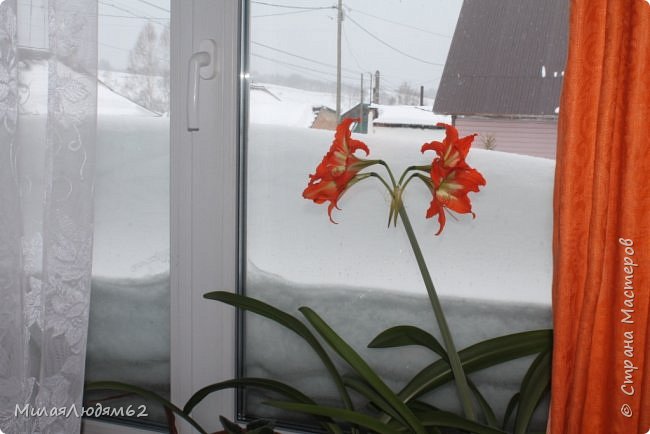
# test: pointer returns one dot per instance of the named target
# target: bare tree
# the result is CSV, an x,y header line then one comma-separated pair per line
x,y
407,95
144,66
163,66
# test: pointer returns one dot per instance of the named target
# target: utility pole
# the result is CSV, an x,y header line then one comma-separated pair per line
x,y
338,60
360,130
421,95
375,93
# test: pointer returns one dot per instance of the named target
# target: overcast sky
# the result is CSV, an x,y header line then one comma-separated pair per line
x,y
407,40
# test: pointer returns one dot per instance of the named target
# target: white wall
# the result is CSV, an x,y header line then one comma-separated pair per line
x,y
520,136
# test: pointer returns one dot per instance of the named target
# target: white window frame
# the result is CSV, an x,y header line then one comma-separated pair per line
x,y
204,211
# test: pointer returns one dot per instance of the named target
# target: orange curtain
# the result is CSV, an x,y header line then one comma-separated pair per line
x,y
601,288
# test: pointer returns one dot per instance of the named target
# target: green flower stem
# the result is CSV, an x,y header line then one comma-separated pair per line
x,y
383,181
464,391
390,173
410,169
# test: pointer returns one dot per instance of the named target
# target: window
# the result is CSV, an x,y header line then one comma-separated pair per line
x,y
405,67
129,331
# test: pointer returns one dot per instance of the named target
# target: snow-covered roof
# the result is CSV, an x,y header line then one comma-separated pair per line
x,y
410,116
108,102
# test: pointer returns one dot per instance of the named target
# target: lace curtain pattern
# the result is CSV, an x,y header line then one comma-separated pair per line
x,y
47,135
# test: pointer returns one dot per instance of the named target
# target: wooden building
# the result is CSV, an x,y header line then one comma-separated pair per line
x,y
504,71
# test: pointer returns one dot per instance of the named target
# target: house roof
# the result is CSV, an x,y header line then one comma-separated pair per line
x,y
507,57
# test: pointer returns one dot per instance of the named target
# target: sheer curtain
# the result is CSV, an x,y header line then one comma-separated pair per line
x,y
48,58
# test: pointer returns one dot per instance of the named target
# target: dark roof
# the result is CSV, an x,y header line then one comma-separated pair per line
x,y
507,57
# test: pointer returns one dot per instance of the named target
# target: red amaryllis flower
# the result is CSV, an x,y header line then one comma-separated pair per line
x,y
338,169
452,150
451,177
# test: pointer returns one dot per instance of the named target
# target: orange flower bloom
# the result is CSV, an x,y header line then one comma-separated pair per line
x,y
338,169
452,150
451,177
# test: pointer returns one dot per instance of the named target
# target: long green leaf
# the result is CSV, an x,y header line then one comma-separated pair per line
x,y
115,385
451,420
490,417
410,335
404,335
373,397
290,322
479,356
349,416
512,404
260,383
536,382
423,407
348,354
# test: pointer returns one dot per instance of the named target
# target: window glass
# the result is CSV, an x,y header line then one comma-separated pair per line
x,y
405,66
128,338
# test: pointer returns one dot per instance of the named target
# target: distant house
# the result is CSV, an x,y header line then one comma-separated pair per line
x,y
503,74
416,122
324,118
365,112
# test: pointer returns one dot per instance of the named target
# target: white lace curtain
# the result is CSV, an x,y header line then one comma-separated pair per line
x,y
48,58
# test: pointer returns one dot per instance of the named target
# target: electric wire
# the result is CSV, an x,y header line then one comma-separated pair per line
x,y
293,7
154,6
293,65
377,38
356,11
283,13
128,11
318,62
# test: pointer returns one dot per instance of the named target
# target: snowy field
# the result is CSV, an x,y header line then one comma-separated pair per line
x,y
493,273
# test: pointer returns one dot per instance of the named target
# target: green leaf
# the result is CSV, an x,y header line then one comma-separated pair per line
x,y
361,367
401,336
535,383
373,397
349,416
230,427
290,322
450,420
261,426
423,407
260,383
479,356
490,417
115,385
409,335
512,404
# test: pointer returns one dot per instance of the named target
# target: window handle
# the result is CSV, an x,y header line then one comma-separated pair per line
x,y
201,66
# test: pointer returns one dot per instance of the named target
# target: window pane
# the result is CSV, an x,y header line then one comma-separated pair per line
x,y
129,316
406,66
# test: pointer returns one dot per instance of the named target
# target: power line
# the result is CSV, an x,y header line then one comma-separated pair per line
x,y
154,6
347,44
294,7
398,23
299,57
283,13
135,18
128,11
297,66
377,38
132,16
